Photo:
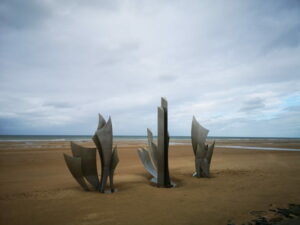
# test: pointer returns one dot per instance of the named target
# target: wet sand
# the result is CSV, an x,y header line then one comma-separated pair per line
x,y
37,188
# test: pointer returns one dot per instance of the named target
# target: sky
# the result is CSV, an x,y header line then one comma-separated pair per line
x,y
234,65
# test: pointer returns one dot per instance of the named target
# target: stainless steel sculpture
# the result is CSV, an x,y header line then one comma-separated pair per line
x,y
203,152
83,163
155,157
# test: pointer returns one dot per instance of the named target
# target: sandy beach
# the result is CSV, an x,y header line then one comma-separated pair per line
x,y
37,188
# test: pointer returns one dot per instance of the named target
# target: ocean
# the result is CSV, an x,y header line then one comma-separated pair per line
x,y
30,141
14,138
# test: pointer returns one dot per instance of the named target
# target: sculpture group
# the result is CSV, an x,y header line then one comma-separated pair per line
x,y
82,163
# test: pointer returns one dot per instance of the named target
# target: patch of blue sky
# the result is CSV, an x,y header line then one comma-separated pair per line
x,y
287,104
291,101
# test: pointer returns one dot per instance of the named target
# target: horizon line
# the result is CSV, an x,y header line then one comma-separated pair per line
x,y
122,135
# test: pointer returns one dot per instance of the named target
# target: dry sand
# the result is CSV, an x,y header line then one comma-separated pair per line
x,y
37,188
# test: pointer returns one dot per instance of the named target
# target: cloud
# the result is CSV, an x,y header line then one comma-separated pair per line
x,y
253,104
232,65
18,14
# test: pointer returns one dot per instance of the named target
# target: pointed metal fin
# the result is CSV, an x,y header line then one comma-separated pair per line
x,y
101,122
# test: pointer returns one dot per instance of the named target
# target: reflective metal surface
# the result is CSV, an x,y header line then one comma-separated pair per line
x,y
203,153
74,165
163,179
103,140
199,134
152,149
146,160
88,163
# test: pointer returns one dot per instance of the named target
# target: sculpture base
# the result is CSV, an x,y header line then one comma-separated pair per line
x,y
153,180
110,191
195,175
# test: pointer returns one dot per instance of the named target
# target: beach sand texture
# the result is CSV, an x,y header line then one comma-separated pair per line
x,y
37,188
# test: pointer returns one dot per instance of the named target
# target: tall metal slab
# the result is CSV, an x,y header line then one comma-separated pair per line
x,y
163,179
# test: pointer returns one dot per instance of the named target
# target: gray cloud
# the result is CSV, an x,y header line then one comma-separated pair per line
x,y
20,14
58,104
253,104
288,39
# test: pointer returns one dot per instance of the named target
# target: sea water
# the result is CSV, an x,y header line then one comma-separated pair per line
x,y
49,138
15,138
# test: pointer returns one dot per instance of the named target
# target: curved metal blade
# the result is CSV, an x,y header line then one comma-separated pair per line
x,y
145,158
88,162
74,166
198,134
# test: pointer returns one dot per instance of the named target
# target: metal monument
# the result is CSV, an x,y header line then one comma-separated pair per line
x,y
82,164
203,152
155,157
